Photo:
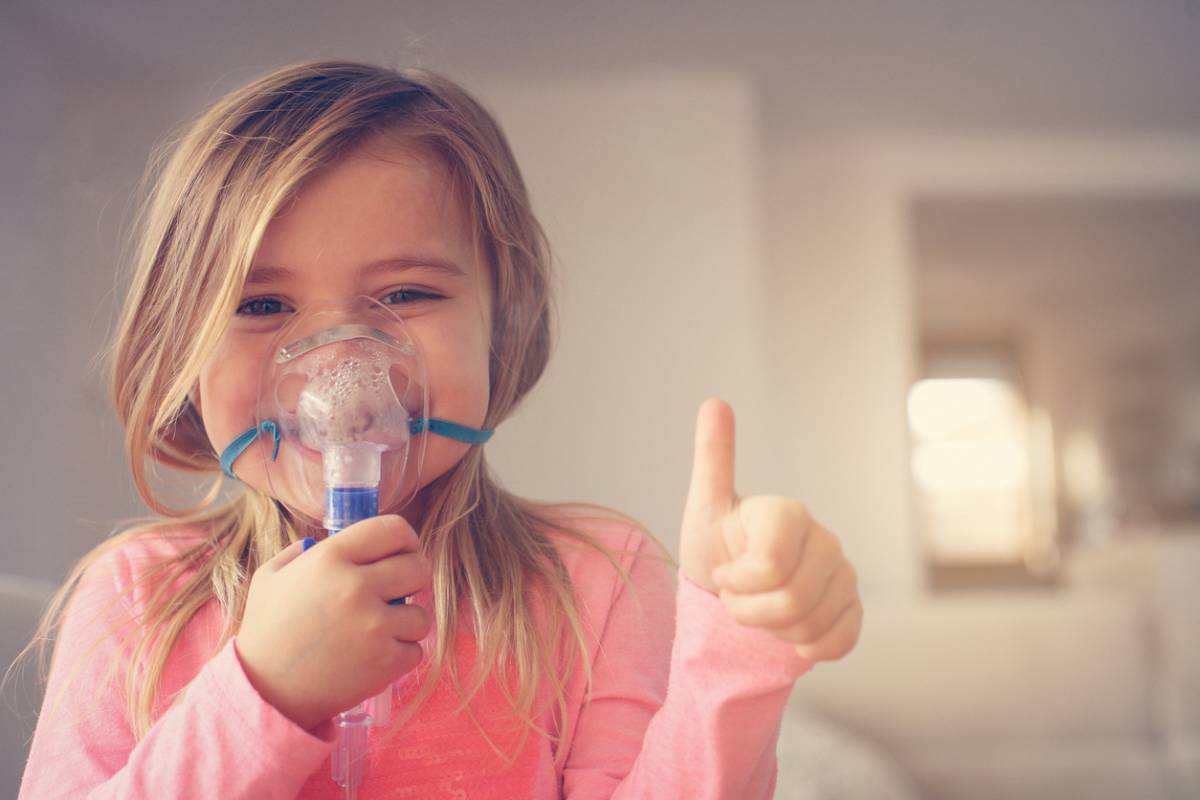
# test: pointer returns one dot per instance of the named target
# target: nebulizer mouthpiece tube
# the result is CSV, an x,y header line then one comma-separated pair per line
x,y
347,502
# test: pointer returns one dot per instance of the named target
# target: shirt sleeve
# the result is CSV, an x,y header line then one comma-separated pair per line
x,y
220,740
686,702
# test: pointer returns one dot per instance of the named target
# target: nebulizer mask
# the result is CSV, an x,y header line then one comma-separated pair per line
x,y
342,404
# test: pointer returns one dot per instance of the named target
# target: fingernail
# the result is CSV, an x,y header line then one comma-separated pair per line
x,y
308,542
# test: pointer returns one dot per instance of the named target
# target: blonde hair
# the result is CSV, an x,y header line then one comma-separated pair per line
x,y
239,162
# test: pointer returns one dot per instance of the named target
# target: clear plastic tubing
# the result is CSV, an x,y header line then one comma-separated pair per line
x,y
344,506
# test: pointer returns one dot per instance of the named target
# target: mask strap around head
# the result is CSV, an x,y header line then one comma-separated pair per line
x,y
450,430
239,445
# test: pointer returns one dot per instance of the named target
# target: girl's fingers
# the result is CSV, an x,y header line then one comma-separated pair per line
x,y
789,604
839,640
284,557
399,575
373,539
409,623
407,655
769,565
747,574
842,592
777,531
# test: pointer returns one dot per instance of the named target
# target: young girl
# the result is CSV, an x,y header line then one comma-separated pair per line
x,y
544,651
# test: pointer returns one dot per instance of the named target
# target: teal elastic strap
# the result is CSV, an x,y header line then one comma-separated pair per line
x,y
441,427
450,430
239,445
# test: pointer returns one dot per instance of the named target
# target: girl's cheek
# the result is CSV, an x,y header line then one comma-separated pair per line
x,y
228,393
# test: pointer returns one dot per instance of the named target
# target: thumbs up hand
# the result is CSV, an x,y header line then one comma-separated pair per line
x,y
772,564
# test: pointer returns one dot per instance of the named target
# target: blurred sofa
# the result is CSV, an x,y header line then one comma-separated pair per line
x,y
1090,690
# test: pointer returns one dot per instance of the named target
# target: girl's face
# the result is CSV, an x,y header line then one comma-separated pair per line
x,y
384,221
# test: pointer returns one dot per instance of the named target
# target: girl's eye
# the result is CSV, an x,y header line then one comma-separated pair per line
x,y
260,307
268,306
405,296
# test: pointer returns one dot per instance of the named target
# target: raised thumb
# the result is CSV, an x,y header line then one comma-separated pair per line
x,y
710,493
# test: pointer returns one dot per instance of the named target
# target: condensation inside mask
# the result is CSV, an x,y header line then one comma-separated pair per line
x,y
341,400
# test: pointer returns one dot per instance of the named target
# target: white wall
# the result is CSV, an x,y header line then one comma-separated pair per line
x,y
842,351
648,190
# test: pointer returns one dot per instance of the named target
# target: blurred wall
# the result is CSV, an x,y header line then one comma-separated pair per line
x,y
843,350
73,157
647,188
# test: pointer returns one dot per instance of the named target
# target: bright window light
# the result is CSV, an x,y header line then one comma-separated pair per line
x,y
971,469
980,465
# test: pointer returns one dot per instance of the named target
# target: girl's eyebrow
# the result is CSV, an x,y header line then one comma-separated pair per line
x,y
271,274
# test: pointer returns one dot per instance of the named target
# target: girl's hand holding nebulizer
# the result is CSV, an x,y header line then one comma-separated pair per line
x,y
318,635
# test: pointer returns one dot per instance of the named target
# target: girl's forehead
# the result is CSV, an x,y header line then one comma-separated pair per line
x,y
379,200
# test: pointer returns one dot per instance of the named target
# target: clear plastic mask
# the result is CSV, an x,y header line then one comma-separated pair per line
x,y
344,384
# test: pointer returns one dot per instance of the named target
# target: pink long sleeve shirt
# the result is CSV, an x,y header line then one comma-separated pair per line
x,y
685,703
